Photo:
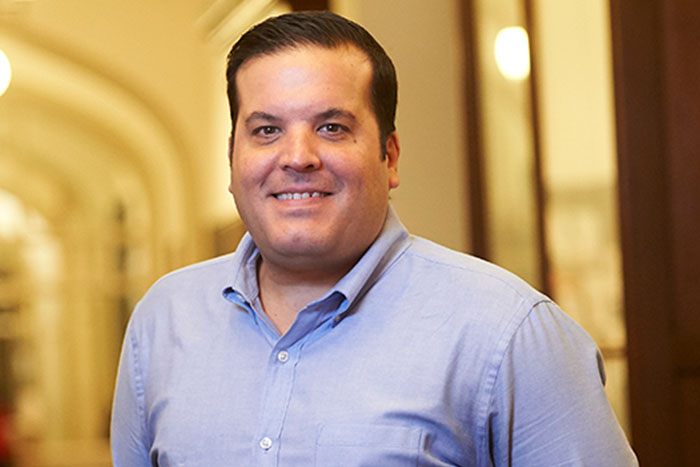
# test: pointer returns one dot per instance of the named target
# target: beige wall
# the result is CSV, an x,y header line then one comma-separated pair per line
x,y
580,176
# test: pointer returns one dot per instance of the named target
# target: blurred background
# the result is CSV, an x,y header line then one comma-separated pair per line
x,y
557,138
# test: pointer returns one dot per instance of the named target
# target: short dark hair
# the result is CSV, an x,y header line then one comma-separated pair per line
x,y
324,29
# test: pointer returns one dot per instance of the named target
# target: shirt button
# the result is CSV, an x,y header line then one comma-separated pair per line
x,y
283,356
266,443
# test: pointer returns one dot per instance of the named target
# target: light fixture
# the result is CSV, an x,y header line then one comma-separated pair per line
x,y
512,52
5,73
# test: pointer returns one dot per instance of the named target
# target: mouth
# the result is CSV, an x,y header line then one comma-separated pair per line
x,y
303,195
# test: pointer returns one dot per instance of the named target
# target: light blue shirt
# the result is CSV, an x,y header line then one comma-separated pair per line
x,y
419,356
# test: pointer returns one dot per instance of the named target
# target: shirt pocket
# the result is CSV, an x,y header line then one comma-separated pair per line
x,y
362,445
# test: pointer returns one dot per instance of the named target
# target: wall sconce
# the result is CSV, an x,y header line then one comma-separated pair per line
x,y
5,73
512,52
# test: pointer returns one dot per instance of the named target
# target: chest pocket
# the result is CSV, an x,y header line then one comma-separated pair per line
x,y
359,445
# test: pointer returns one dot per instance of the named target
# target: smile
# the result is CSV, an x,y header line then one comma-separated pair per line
x,y
305,195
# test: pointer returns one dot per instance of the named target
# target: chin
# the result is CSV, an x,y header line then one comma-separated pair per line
x,y
303,246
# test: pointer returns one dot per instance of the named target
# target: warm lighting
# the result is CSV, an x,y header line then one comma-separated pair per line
x,y
5,73
512,51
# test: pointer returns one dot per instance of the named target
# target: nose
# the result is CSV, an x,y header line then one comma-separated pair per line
x,y
300,153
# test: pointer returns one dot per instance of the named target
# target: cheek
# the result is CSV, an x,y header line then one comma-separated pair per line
x,y
245,170
233,180
378,176
369,176
240,181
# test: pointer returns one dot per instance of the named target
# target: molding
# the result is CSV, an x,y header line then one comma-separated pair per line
x,y
225,20
111,110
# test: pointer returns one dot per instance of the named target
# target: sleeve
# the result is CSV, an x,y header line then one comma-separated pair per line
x,y
128,435
549,405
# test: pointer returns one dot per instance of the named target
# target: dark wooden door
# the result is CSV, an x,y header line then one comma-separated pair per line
x,y
656,54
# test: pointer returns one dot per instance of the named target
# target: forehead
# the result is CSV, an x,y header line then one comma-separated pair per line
x,y
344,69
342,51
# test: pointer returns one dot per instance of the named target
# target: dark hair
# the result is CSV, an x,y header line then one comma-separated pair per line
x,y
325,29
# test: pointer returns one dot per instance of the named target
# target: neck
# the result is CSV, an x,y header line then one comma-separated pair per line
x,y
285,292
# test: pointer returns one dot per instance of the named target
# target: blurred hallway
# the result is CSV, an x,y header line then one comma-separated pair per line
x,y
113,171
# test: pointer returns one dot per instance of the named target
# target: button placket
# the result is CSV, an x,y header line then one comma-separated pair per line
x,y
279,382
278,387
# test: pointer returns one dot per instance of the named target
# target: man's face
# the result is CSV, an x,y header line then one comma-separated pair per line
x,y
307,172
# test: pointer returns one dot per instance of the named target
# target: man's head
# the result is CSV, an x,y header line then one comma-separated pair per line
x,y
322,29
311,171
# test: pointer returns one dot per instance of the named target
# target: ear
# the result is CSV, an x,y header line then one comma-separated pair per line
x,y
392,159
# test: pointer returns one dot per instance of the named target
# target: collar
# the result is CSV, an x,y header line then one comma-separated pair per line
x,y
391,242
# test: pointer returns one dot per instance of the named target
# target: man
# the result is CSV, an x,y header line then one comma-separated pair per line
x,y
332,337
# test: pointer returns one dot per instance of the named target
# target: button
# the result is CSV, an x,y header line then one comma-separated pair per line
x,y
266,443
283,356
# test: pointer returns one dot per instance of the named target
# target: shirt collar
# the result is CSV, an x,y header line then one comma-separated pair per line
x,y
244,281
391,242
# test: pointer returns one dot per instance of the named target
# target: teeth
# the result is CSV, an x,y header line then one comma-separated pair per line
x,y
286,196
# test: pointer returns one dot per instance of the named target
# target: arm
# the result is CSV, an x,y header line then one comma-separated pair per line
x,y
549,405
128,433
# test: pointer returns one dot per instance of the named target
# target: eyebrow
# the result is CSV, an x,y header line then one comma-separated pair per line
x,y
334,112
325,115
261,116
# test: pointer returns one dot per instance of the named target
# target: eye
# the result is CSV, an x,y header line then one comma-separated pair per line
x,y
333,129
266,130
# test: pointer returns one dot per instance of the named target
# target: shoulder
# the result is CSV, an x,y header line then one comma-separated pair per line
x,y
483,305
194,286
487,303
214,271
506,308
461,275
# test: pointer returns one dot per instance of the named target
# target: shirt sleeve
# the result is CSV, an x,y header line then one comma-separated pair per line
x,y
127,432
549,406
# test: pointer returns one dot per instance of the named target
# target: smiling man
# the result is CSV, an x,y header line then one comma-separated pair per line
x,y
307,170
331,336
